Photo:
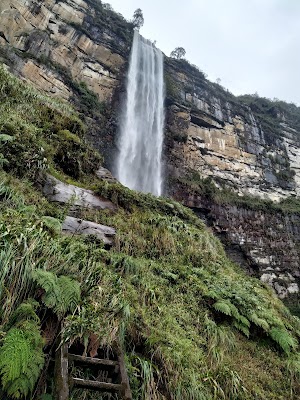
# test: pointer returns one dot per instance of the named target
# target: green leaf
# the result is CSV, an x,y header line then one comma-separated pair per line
x,y
283,339
21,359
222,307
241,327
261,322
6,138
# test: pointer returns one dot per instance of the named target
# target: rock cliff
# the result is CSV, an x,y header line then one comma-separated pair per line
x,y
254,148
78,50
39,39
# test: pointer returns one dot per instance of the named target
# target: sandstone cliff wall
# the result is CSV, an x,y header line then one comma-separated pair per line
x,y
38,36
214,133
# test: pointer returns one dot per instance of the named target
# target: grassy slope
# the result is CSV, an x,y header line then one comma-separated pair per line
x,y
193,324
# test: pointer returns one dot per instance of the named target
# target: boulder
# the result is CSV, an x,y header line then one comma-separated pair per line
x,y
77,226
105,175
61,192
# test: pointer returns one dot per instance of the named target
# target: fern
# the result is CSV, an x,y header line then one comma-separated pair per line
x,y
222,307
25,312
21,359
47,281
242,327
261,322
283,339
61,294
243,320
69,295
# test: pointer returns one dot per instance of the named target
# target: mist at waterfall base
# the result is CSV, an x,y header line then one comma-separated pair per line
x,y
139,164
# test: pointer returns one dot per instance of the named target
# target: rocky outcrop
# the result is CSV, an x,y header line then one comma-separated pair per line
x,y
212,133
61,192
77,226
265,243
40,40
105,175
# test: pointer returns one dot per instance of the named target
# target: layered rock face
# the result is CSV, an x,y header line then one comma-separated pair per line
x,y
38,39
265,244
73,49
209,131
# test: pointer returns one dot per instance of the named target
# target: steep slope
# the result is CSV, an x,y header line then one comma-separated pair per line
x,y
193,325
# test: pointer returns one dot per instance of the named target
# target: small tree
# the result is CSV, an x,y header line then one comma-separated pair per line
x,y
138,18
178,53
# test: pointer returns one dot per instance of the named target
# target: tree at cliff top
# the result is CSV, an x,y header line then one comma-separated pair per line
x,y
178,53
138,19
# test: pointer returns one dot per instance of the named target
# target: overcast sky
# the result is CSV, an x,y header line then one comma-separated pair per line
x,y
251,45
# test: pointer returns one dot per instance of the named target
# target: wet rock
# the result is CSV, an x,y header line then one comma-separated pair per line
x,y
77,226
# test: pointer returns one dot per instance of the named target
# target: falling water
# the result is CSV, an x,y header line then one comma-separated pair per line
x,y
139,163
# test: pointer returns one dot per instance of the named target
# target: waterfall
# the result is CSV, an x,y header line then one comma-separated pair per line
x,y
139,164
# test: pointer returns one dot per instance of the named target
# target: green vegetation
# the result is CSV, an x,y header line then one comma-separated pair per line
x,y
108,19
38,132
205,187
193,325
172,87
270,112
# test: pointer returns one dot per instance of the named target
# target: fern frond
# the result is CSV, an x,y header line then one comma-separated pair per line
x,y
243,320
47,281
283,339
25,312
21,359
272,319
61,294
212,294
234,311
69,295
242,327
261,322
222,307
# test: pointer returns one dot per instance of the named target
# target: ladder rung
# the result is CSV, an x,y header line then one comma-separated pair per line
x,y
90,360
84,383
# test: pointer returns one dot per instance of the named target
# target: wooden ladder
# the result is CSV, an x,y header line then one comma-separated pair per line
x,y
111,374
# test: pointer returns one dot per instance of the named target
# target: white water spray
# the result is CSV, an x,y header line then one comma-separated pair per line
x,y
139,163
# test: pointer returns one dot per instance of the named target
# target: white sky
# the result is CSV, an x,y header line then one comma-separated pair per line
x,y
251,45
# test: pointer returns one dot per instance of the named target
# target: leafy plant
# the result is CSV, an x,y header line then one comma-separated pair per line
x,y
62,294
21,359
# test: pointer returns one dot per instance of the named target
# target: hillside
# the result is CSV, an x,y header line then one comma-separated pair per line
x,y
193,325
